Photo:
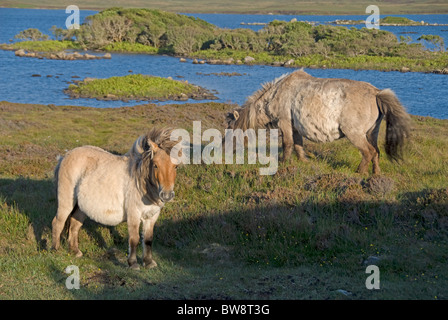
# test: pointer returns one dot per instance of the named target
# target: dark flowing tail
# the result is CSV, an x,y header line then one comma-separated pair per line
x,y
398,123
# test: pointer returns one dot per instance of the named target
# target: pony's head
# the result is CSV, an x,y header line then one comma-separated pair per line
x,y
232,118
154,169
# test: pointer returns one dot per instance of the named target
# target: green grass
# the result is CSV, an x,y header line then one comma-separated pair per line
x,y
130,48
435,60
43,46
135,86
398,20
230,233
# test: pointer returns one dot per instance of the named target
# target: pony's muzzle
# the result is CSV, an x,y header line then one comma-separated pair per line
x,y
166,196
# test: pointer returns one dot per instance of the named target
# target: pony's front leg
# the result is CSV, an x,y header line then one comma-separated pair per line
x,y
133,228
148,232
298,145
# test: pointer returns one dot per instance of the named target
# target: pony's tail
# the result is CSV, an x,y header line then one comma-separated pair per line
x,y
56,172
398,123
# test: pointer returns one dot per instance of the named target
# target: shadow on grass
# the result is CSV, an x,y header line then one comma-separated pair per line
x,y
253,240
37,200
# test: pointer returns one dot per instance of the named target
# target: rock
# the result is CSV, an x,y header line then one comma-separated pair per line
x,y
249,59
195,61
89,79
77,55
293,20
372,260
61,55
89,56
182,97
111,96
289,62
201,62
405,69
276,63
228,61
36,75
20,53
182,60
213,61
344,292
238,62
107,56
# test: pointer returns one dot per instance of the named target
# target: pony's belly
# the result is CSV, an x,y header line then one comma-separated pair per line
x,y
317,133
105,215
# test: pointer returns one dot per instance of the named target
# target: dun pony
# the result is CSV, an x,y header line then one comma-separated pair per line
x,y
111,189
323,110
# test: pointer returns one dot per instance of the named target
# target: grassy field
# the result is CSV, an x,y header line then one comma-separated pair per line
x,y
307,232
250,6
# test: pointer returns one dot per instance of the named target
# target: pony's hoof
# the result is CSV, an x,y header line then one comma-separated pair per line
x,y
78,254
150,265
134,266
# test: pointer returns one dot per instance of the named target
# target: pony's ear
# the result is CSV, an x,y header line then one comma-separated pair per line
x,y
236,115
229,116
151,147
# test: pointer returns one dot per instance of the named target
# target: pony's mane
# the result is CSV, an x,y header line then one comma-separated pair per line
x,y
162,138
265,87
253,114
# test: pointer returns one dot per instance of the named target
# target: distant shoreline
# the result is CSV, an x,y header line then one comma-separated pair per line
x,y
248,12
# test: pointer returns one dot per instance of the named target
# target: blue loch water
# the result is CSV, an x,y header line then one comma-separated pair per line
x,y
422,93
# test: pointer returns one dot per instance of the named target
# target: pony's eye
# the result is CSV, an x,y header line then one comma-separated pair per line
x,y
155,166
175,167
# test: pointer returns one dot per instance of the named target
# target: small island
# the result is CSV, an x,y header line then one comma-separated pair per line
x,y
389,21
138,87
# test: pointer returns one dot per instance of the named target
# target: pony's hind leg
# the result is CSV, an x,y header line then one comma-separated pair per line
x,y
76,222
298,145
58,223
366,149
372,137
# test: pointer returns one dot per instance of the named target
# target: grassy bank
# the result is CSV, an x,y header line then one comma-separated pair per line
x,y
137,87
42,46
360,62
306,232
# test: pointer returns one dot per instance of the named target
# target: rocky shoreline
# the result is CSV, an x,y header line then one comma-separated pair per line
x,y
62,55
